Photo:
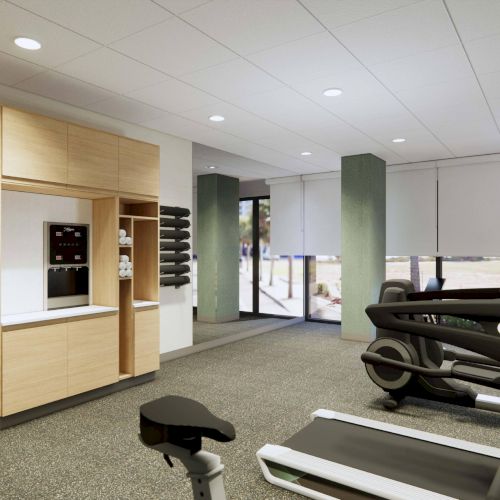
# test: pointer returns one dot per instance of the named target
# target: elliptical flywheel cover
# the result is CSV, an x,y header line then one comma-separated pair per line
x,y
387,377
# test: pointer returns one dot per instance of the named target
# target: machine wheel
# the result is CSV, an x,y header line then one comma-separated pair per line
x,y
388,378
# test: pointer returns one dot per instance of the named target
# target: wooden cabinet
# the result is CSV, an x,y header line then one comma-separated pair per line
x,y
92,353
139,167
34,367
34,147
92,158
147,341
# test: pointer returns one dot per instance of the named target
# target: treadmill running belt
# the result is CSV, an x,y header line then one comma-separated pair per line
x,y
449,471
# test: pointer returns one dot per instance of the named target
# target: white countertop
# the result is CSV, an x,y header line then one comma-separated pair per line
x,y
69,312
145,303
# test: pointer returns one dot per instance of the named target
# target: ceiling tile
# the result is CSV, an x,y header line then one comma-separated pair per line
x,y
247,126
111,71
14,70
174,47
468,138
461,101
233,165
338,13
443,65
305,59
483,54
58,44
179,6
490,83
64,88
232,80
364,98
125,109
399,33
173,95
103,21
475,18
203,134
249,26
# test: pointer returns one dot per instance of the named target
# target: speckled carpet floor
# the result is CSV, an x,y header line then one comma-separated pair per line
x,y
266,385
203,332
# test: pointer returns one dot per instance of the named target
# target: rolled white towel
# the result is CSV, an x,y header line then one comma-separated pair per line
x,y
124,258
128,240
122,273
122,266
128,273
122,233
128,265
123,240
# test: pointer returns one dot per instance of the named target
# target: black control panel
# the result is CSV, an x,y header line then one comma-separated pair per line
x,y
67,245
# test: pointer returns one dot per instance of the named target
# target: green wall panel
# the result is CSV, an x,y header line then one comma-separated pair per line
x,y
363,241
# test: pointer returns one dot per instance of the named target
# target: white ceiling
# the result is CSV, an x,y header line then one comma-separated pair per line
x,y
426,70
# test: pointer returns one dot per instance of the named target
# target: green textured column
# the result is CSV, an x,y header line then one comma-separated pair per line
x,y
218,248
363,241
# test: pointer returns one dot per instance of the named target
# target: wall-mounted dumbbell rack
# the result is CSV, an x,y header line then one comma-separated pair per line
x,y
174,259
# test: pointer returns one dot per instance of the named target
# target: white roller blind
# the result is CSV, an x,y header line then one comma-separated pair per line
x,y
322,212
411,212
286,216
469,210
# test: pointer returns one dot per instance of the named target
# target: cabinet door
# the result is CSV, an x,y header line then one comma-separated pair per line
x,y
139,167
92,353
34,367
34,147
92,158
147,341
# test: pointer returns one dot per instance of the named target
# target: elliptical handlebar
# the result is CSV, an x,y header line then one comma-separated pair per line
x,y
397,316
462,294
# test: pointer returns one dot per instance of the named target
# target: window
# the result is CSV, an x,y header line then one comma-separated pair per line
x,y
471,272
324,288
269,284
246,253
416,269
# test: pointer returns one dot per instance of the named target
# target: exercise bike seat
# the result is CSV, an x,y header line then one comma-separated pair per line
x,y
181,422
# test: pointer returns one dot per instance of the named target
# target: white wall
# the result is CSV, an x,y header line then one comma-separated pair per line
x,y
175,189
23,215
254,188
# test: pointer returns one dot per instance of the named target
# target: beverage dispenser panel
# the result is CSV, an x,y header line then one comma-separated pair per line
x,y
66,265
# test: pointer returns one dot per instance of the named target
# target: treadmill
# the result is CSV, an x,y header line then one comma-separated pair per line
x,y
340,456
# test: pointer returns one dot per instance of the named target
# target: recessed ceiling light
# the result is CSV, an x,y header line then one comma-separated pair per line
x,y
399,139
211,167
27,43
306,153
216,118
332,92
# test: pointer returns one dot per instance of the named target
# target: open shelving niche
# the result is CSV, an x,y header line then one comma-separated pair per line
x,y
140,220
174,261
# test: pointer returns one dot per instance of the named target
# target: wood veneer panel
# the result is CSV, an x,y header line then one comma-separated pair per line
x,y
92,158
139,167
34,147
92,354
105,224
147,341
146,260
34,367
126,328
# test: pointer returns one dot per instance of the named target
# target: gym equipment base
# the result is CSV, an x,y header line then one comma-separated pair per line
x,y
345,457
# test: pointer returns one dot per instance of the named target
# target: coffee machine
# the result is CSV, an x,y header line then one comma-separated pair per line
x,y
66,270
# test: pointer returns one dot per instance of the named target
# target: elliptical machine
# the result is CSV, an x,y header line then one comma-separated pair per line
x,y
407,356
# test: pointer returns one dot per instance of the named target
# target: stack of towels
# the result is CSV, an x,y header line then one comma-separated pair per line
x,y
125,267
123,239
